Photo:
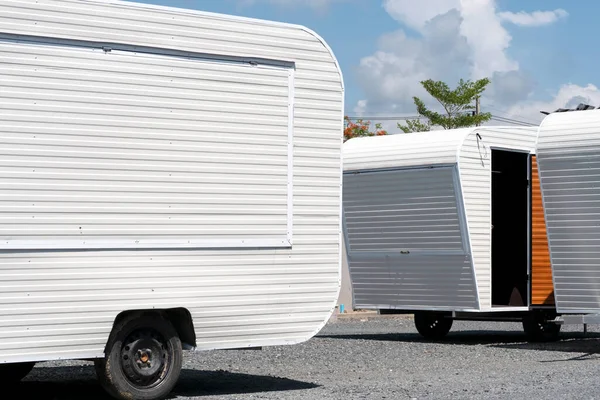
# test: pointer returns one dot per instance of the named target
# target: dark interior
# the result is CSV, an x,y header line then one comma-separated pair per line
x,y
510,232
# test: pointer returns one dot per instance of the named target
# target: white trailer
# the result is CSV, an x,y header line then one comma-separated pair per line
x,y
168,178
449,225
569,159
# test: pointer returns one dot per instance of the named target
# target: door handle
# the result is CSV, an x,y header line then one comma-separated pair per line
x,y
404,252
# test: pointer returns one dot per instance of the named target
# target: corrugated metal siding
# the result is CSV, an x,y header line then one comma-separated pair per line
x,y
474,166
62,304
569,162
413,282
405,242
406,150
133,167
542,288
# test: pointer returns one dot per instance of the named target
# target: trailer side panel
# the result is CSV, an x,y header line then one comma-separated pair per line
x,y
158,158
406,241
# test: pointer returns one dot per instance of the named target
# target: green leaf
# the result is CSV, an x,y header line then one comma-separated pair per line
x,y
415,126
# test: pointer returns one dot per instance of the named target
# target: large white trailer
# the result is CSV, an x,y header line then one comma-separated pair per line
x,y
449,225
168,178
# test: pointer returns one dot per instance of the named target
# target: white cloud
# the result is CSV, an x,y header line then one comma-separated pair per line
x,y
391,76
487,38
568,96
361,107
452,39
480,26
416,14
536,18
510,87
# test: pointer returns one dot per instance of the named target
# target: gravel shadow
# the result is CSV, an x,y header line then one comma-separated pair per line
x,y
76,383
474,338
205,383
463,337
61,383
587,347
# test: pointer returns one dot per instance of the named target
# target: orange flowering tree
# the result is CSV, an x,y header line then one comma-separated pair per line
x,y
361,128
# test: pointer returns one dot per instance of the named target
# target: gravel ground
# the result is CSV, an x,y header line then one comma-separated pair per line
x,y
375,359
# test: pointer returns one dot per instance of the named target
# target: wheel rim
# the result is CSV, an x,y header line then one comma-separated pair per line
x,y
544,326
434,323
547,327
145,358
541,327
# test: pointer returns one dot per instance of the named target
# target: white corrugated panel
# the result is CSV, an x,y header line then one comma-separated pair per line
x,y
168,145
475,172
405,241
569,165
471,149
404,150
155,152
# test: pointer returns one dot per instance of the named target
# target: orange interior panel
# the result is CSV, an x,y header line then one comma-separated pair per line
x,y
542,290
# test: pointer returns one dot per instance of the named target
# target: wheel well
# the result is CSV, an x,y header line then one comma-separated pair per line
x,y
182,321
179,317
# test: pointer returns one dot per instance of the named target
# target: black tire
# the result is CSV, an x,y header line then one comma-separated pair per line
x,y
538,328
143,359
13,373
433,325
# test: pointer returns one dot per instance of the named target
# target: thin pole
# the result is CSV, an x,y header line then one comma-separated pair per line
x,y
477,108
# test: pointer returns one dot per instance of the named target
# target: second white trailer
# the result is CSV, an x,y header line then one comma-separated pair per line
x,y
448,225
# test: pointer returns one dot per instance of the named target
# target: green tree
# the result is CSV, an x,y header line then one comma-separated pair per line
x,y
415,125
457,103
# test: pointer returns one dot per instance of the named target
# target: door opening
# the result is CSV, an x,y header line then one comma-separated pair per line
x,y
510,228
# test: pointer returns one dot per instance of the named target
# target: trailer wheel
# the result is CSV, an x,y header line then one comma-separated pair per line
x,y
13,372
538,328
433,325
143,359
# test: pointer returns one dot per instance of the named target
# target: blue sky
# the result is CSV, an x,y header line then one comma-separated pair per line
x,y
536,52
